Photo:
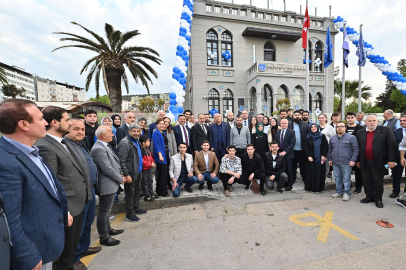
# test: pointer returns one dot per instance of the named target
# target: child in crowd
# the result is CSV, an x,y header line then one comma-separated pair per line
x,y
148,163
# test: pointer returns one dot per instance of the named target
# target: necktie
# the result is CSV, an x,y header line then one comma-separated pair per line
x,y
186,138
50,178
245,122
204,129
283,132
187,125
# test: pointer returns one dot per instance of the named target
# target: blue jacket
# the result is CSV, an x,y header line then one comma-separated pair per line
x,y
178,136
225,131
36,216
289,141
343,150
159,146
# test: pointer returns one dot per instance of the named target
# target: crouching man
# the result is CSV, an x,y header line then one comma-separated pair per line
x,y
275,167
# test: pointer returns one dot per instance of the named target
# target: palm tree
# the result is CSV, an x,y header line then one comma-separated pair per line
x,y
351,91
110,61
3,76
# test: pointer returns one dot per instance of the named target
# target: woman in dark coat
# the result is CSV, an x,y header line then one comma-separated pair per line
x,y
260,141
315,147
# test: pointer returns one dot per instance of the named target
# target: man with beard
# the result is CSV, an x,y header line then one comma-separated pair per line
x,y
62,160
219,137
301,130
305,117
240,136
230,120
188,115
352,128
207,119
283,114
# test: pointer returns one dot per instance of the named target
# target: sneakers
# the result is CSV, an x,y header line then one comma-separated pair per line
x,y
149,198
401,202
346,197
227,193
140,211
155,196
336,195
132,218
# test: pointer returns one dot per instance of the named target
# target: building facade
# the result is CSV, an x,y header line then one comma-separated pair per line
x,y
267,62
49,90
21,79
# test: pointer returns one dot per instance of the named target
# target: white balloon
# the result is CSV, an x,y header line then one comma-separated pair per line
x,y
180,104
170,116
180,99
182,93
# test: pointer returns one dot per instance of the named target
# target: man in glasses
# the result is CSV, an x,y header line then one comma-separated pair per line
x,y
342,155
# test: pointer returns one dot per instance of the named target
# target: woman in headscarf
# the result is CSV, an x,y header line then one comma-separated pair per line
x,y
260,140
116,120
106,121
273,128
315,147
266,124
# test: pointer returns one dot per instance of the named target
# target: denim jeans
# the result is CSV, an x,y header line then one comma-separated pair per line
x,y
209,180
88,218
342,174
103,217
188,183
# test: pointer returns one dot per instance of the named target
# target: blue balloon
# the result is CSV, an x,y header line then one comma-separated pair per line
x,y
182,34
182,75
180,80
172,107
172,95
184,52
180,109
172,101
175,76
186,58
179,48
174,111
186,63
184,86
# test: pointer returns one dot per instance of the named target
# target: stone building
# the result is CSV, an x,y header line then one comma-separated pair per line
x,y
267,62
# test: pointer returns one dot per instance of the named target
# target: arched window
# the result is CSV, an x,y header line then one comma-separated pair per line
x,y
318,102
226,45
228,102
304,55
296,100
212,47
214,100
269,52
282,92
318,53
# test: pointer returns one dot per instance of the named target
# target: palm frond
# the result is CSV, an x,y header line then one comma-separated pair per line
x,y
77,46
109,29
96,36
146,56
97,80
126,50
88,62
3,76
126,37
115,38
90,75
78,38
147,66
124,79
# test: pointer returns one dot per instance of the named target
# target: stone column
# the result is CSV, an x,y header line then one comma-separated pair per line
x,y
259,103
249,105
221,107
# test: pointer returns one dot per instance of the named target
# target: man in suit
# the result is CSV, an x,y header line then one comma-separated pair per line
x,y
398,170
34,198
219,137
286,140
161,115
65,164
129,152
188,115
90,127
252,168
75,140
240,136
275,167
230,120
245,118
122,131
181,171
206,167
110,178
182,133
377,147
301,130
200,133
5,235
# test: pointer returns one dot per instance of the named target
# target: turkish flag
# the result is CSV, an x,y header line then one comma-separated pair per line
x,y
306,26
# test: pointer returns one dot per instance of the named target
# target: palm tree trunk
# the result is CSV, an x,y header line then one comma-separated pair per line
x,y
114,84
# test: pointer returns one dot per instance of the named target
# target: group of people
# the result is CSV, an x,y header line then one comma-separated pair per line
x,y
53,166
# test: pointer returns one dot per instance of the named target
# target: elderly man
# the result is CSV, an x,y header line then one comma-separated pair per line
x,y
260,118
129,152
230,120
122,131
245,120
200,132
74,139
377,147
390,120
110,177
219,137
35,200
360,118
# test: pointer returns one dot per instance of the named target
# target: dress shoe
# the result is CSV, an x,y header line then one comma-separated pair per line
x,y
262,192
366,200
115,232
393,195
132,218
79,266
109,242
201,186
210,187
230,188
379,204
90,251
357,190
188,189
140,211
247,187
288,188
279,190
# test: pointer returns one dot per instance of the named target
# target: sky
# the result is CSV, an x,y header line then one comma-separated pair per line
x,y
26,38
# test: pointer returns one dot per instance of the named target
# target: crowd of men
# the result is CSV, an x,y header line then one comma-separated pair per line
x,y
53,166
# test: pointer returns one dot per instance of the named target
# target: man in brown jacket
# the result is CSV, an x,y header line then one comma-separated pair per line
x,y
206,166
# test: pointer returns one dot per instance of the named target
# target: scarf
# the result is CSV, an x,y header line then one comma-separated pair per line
x,y
316,136
260,132
114,117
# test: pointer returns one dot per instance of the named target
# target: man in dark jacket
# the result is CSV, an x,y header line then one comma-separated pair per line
x,y
252,168
377,147
398,170
219,137
301,130
122,131
275,167
286,140
129,152
90,127
5,235
200,133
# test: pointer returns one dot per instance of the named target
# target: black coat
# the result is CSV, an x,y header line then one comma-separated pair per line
x,y
280,165
384,146
198,137
254,165
304,130
121,133
289,141
308,147
90,133
260,143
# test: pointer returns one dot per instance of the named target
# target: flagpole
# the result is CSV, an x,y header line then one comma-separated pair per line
x,y
307,74
360,80
343,80
325,90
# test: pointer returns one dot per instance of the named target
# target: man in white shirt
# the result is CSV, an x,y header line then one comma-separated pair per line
x,y
182,133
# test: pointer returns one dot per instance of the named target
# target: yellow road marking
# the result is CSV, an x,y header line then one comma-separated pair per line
x,y
325,224
392,187
86,260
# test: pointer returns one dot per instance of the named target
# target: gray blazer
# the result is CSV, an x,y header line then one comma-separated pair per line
x,y
108,166
128,154
176,165
68,171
